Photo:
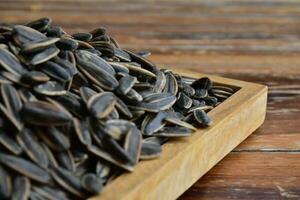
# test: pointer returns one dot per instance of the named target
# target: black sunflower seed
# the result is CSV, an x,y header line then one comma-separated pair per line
x,y
133,143
55,71
50,88
65,159
43,56
50,193
202,118
98,75
32,147
173,132
25,167
44,113
171,85
102,104
33,47
82,131
55,139
91,183
55,31
34,77
68,181
40,24
9,143
126,83
21,188
23,35
202,83
83,36
153,123
67,44
9,62
162,102
5,184
150,150
184,101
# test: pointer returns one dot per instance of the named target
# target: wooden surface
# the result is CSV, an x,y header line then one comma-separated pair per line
x,y
185,160
250,40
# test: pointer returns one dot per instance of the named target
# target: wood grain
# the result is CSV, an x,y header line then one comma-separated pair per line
x,y
251,40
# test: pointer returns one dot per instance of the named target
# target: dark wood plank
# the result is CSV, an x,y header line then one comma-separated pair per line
x,y
250,176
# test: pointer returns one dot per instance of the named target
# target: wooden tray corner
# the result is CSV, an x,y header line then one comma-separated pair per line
x,y
185,160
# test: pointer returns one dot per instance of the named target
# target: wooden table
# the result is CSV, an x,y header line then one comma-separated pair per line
x,y
248,40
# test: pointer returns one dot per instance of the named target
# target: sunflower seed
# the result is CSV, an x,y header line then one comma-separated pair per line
x,y
171,85
5,184
65,159
40,24
34,77
50,193
122,108
67,44
33,47
32,148
106,156
55,31
82,36
55,139
98,75
122,55
25,167
202,118
126,83
9,62
173,132
133,143
43,56
82,131
50,88
85,56
133,95
44,113
153,123
21,188
24,35
184,101
202,83
159,103
138,70
55,71
100,105
68,181
200,94
150,150
9,143
118,67
91,183
11,118
86,93
35,196
11,99
51,158
160,83
103,170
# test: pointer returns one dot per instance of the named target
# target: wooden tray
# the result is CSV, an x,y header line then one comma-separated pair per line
x,y
185,160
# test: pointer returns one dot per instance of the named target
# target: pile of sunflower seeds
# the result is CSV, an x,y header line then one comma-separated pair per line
x,y
76,110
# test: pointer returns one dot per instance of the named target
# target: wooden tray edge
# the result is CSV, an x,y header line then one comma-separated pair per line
x,y
184,161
